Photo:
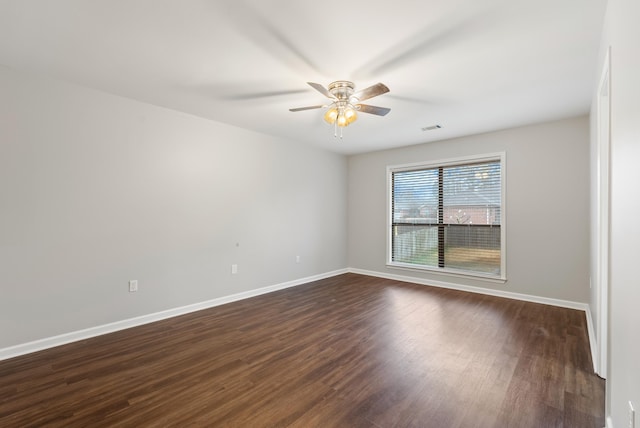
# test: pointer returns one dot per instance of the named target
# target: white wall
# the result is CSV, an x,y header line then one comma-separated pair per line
x,y
622,33
96,190
547,206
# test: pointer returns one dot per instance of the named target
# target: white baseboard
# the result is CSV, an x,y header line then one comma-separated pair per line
x,y
50,342
62,339
595,356
498,293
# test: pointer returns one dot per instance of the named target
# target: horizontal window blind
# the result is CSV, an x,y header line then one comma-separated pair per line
x,y
448,217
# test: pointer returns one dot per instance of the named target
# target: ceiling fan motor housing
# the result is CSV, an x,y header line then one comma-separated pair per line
x,y
342,89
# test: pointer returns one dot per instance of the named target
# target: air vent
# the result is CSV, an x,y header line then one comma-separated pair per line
x,y
431,128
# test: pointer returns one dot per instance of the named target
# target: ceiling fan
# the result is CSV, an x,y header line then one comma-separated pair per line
x,y
345,106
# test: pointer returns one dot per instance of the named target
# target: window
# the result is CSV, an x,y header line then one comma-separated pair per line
x,y
448,216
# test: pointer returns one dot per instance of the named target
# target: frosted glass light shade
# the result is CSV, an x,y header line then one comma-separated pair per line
x,y
350,115
331,115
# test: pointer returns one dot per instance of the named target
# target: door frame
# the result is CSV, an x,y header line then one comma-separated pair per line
x,y
603,201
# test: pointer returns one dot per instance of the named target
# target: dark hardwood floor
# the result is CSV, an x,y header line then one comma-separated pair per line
x,y
348,351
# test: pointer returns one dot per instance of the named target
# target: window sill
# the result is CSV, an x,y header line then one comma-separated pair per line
x,y
449,272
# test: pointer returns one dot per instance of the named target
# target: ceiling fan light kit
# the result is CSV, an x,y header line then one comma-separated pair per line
x,y
344,109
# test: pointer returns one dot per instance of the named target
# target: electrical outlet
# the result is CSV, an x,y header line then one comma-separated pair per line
x,y
133,286
234,269
297,259
632,416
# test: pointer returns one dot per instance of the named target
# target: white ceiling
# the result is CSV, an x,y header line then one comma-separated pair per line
x,y
469,65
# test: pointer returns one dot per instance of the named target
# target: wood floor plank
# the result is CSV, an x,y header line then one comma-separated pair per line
x,y
347,351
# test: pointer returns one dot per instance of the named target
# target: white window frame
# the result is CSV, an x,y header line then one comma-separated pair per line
x,y
501,157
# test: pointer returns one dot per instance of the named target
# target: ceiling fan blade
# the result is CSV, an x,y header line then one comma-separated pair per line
x,y
379,111
318,87
371,91
305,108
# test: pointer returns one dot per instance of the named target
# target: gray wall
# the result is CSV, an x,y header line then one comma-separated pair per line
x,y
622,33
96,190
547,206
